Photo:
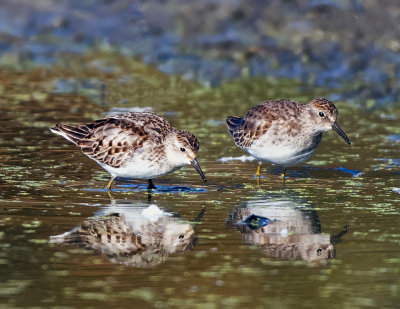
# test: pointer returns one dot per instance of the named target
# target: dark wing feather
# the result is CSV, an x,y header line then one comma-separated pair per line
x,y
233,122
72,133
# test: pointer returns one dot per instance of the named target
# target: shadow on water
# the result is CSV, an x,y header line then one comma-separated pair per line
x,y
299,172
143,188
165,188
133,233
354,173
284,228
307,171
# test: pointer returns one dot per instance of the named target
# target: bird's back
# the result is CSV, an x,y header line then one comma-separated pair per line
x,y
258,120
113,140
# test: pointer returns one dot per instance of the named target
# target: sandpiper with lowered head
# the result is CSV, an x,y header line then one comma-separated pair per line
x,y
139,145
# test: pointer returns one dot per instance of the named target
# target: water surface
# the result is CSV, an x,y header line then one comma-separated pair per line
x,y
48,187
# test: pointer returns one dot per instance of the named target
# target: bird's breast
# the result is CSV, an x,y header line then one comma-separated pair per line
x,y
284,148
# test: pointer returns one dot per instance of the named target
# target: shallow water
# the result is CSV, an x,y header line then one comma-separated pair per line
x,y
48,187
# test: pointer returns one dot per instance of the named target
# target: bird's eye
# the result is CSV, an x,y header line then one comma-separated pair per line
x,y
181,236
183,149
321,114
319,251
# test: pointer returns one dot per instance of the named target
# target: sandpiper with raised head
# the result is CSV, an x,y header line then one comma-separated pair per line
x,y
284,132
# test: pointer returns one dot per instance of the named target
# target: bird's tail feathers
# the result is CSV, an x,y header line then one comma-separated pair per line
x,y
72,133
233,122
67,237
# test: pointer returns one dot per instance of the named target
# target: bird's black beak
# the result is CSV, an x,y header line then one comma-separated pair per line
x,y
336,238
339,131
198,169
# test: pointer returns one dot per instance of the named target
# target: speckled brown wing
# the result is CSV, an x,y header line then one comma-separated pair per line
x,y
254,124
114,140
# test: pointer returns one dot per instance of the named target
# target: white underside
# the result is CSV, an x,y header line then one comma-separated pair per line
x,y
283,154
140,169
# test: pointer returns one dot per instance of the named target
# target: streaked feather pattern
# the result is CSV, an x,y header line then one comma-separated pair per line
x,y
140,145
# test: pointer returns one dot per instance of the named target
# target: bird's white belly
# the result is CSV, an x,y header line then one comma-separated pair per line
x,y
140,169
285,154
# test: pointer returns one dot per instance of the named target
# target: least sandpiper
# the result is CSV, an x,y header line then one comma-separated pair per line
x,y
139,145
284,132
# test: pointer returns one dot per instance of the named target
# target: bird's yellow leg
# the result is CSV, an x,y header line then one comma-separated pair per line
x,y
110,183
258,173
110,195
284,174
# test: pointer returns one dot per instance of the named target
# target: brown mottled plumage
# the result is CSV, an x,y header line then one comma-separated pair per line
x,y
284,132
132,234
139,145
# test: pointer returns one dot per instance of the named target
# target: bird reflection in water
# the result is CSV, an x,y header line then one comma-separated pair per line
x,y
134,234
284,230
